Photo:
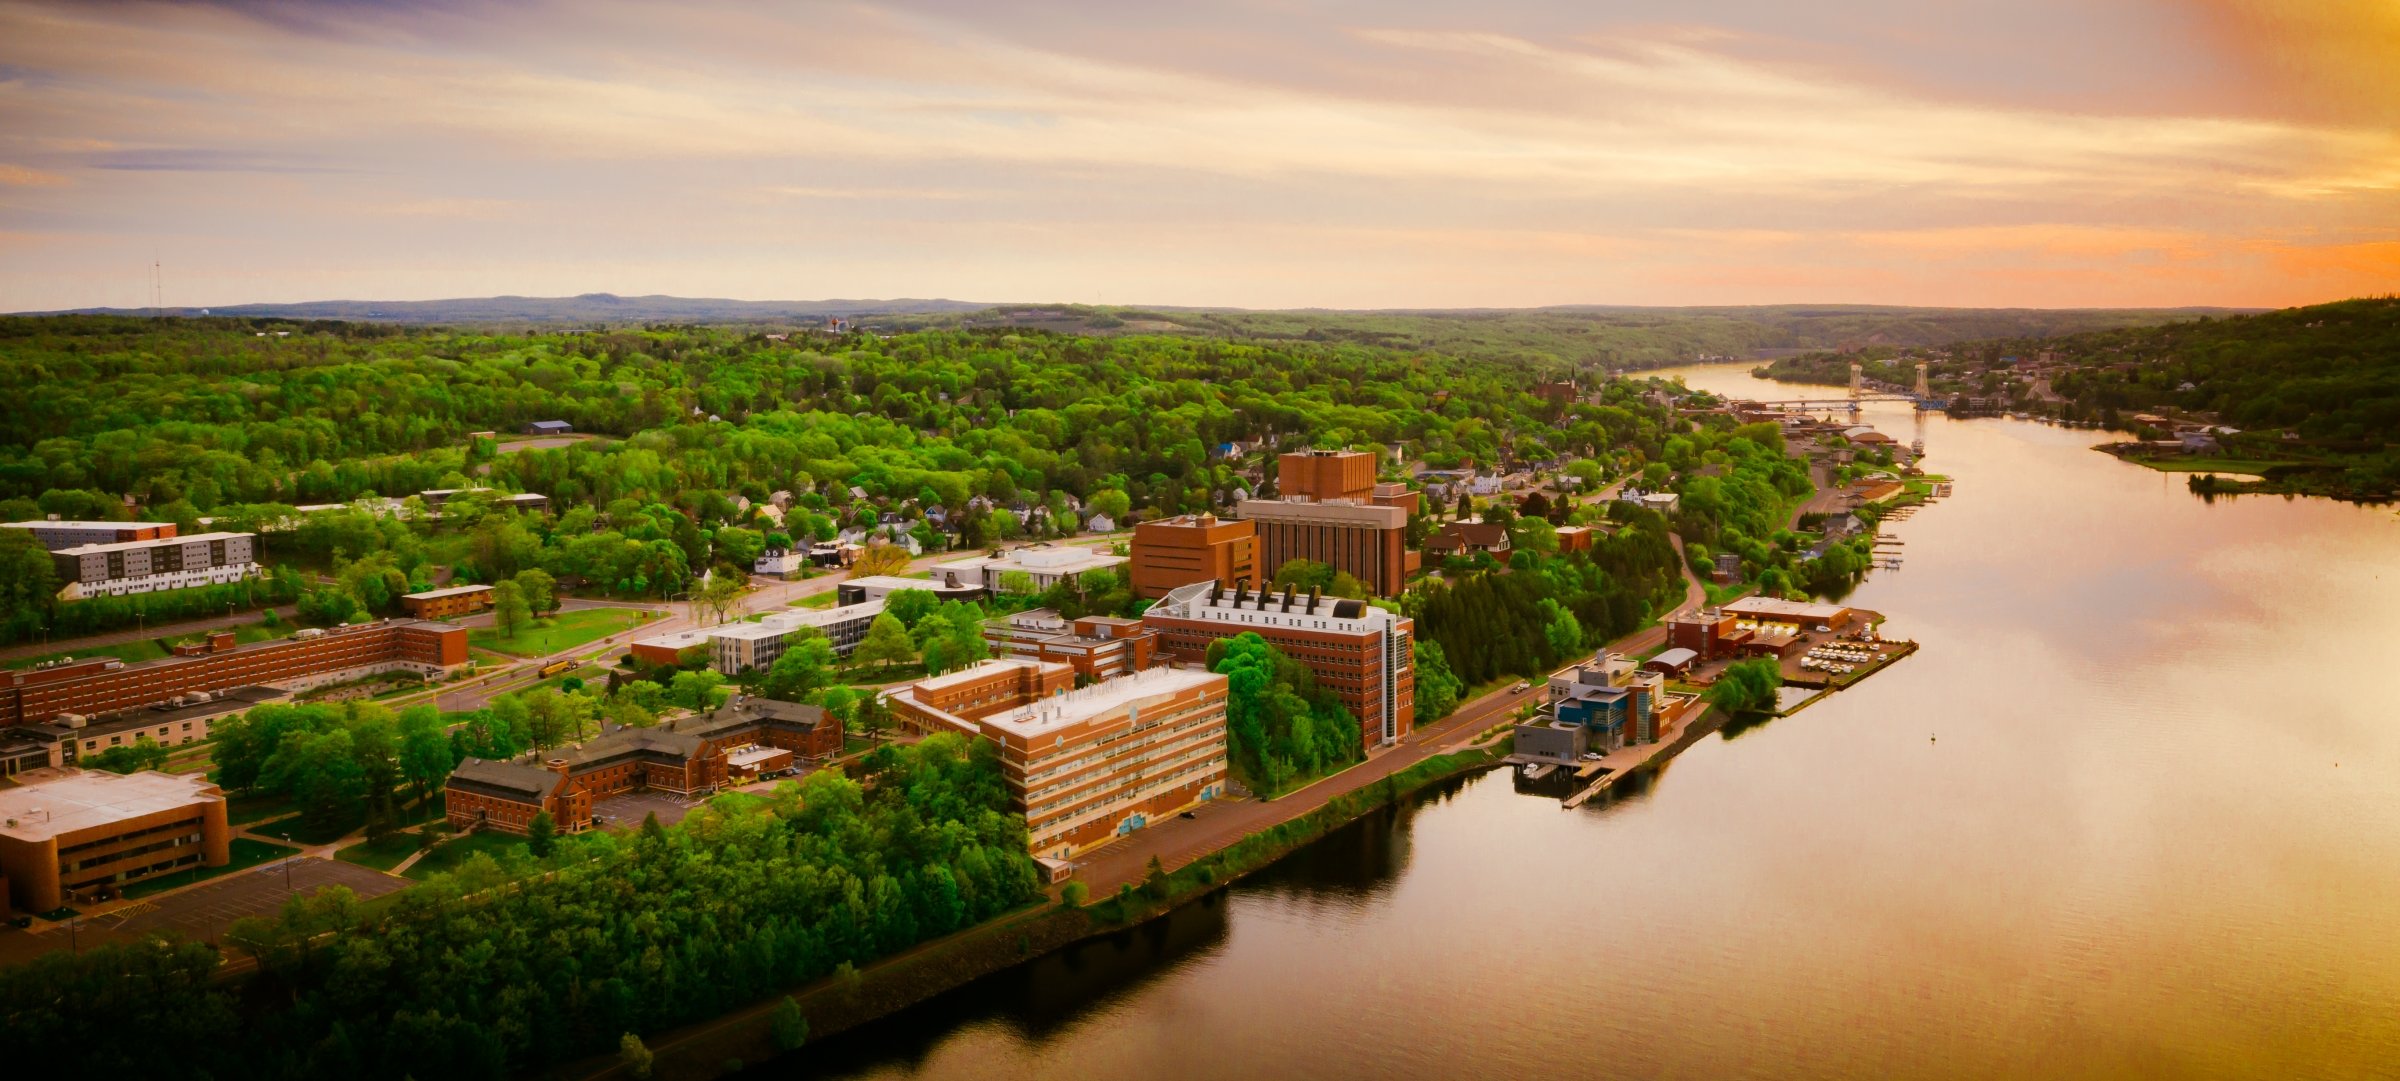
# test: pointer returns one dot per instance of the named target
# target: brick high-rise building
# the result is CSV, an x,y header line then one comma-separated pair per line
x,y
1326,474
1192,548
1367,542
1090,765
1365,655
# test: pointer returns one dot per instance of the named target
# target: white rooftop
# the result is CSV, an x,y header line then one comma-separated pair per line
x,y
84,800
1099,699
160,542
1193,602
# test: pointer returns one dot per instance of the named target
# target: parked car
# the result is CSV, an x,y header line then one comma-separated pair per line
x,y
1189,814
1520,688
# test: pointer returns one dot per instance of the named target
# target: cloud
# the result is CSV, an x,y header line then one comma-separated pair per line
x,y
18,176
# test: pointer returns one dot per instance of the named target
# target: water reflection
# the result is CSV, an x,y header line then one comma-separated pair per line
x,y
2129,853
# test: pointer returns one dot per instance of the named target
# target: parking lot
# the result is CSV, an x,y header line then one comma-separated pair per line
x,y
627,811
204,911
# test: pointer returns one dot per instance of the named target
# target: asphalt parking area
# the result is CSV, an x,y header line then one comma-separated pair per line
x,y
627,811
204,911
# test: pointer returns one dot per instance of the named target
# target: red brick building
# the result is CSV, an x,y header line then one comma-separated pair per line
x,y
1085,766
1325,474
1365,655
1367,542
1191,548
107,685
734,743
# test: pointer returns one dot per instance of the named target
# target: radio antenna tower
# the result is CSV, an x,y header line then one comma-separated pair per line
x,y
158,288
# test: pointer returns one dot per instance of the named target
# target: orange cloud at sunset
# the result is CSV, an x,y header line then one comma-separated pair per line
x,y
2040,152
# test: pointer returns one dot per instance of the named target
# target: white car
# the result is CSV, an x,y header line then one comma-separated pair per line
x,y
1520,688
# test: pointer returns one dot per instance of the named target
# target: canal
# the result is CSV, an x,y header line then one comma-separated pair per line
x,y
2134,811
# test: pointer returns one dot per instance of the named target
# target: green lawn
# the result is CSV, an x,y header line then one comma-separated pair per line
x,y
296,830
382,853
816,600
449,855
243,810
134,652
244,852
563,631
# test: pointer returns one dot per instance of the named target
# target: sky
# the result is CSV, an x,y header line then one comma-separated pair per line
x,y
1264,154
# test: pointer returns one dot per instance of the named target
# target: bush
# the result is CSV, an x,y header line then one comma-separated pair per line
x,y
790,1026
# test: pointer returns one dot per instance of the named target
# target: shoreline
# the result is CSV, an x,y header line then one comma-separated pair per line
x,y
840,1002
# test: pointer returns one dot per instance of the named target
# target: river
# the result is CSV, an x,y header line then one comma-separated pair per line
x,y
2133,811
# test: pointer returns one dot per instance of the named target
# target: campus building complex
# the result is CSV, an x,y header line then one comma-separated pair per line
x,y
74,691
1097,647
1192,548
117,568
736,742
90,834
1084,766
1367,542
737,647
1365,655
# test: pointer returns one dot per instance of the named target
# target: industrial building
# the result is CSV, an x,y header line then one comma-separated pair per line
x,y
90,834
1192,548
739,741
1365,655
1090,765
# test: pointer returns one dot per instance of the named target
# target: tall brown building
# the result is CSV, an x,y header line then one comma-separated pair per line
x,y
1365,655
1192,548
1326,474
1367,542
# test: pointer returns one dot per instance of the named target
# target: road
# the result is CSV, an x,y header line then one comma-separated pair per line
x,y
136,634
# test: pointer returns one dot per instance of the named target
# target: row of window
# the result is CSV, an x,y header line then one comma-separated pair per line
x,y
69,867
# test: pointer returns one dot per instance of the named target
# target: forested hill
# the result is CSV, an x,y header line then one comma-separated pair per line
x,y
1559,341
589,309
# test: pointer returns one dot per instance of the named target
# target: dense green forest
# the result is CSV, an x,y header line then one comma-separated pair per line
x,y
498,971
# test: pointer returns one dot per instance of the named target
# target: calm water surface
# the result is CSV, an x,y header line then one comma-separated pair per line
x,y
2134,811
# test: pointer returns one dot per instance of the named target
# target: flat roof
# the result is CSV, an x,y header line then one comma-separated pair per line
x,y
89,799
982,669
894,581
1677,657
1773,606
446,591
1108,696
154,542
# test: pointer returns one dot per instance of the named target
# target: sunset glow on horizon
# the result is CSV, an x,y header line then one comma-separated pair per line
x,y
2046,153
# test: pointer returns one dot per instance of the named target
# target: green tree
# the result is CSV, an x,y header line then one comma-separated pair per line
x,y
695,691
1438,689
804,668
1111,502
1074,894
886,643
144,753
910,605
510,613
425,753
789,1025
541,835
539,588
1747,686
635,1057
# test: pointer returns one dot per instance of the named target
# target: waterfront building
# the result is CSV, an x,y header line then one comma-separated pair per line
x,y
1097,647
1365,655
448,603
117,568
89,834
1615,702
738,741
1090,765
1791,616
1192,548
309,658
